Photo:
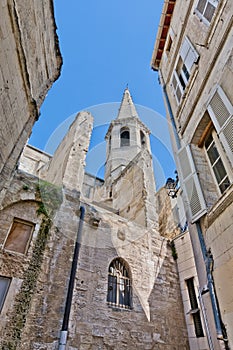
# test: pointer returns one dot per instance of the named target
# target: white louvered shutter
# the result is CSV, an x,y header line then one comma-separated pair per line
x,y
190,183
221,113
188,54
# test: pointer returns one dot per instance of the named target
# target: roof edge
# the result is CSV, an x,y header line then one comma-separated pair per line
x,y
167,11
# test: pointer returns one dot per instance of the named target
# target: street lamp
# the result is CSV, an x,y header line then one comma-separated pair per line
x,y
172,186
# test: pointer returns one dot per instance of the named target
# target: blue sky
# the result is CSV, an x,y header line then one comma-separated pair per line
x,y
105,46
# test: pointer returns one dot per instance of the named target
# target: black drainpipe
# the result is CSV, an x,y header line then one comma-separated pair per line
x,y
64,330
208,258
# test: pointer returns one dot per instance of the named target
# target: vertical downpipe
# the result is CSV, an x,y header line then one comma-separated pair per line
x,y
209,263
64,330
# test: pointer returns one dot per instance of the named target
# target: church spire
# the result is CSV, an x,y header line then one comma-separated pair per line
x,y
127,108
126,137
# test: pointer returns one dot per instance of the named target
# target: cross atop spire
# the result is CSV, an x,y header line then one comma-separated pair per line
x,y
127,108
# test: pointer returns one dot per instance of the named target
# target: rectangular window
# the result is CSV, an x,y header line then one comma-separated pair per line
x,y
19,236
187,57
194,312
206,8
4,286
169,44
216,163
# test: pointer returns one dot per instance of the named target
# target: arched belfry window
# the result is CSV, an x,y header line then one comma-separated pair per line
x,y
119,284
143,138
125,137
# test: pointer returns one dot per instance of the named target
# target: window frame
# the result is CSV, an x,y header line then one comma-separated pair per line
x,y
116,280
223,159
27,244
5,292
124,130
201,15
187,57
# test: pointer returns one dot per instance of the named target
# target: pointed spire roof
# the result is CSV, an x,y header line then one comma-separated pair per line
x,y
127,108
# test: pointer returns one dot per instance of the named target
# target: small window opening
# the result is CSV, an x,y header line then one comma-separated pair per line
x,y
110,192
125,138
143,138
169,44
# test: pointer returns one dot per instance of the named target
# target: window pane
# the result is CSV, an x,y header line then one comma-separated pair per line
x,y
112,285
186,73
121,292
209,12
119,286
224,185
181,81
219,170
178,94
127,293
201,5
174,82
19,237
4,285
213,153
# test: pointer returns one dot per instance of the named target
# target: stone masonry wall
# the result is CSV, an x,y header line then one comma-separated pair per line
x,y
34,306
219,238
66,166
30,63
23,201
156,320
137,183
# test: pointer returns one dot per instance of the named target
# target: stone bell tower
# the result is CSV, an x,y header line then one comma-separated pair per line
x,y
126,137
129,177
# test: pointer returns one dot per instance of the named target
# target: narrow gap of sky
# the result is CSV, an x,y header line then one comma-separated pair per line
x,y
105,46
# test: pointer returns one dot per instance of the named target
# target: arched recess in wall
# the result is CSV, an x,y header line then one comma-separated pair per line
x,y
119,284
125,137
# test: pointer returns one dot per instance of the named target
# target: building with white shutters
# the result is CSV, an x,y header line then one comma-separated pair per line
x,y
194,57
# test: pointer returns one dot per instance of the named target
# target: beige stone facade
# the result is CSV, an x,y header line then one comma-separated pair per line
x,y
30,63
193,54
121,224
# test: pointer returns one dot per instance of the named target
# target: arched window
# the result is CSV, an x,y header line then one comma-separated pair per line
x,y
125,137
119,284
143,138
